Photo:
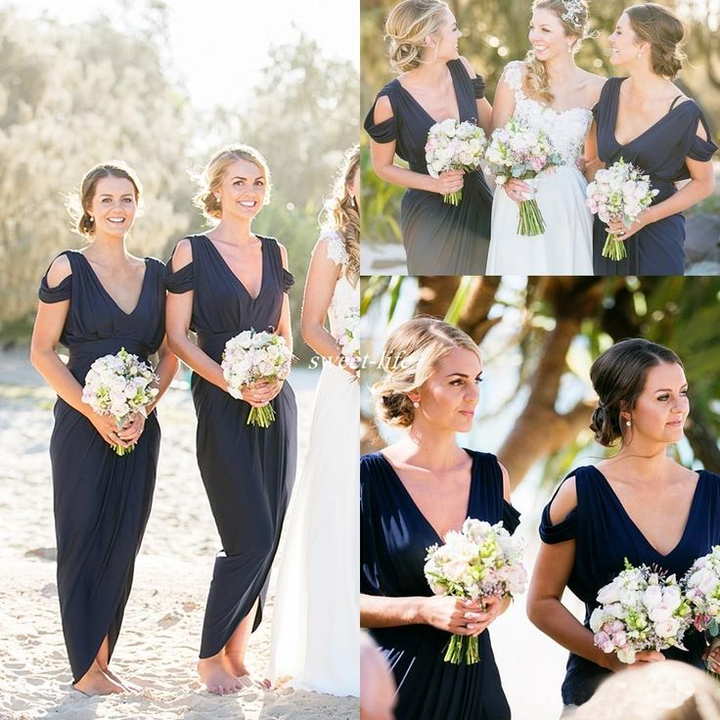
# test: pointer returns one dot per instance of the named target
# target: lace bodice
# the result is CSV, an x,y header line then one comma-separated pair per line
x,y
346,298
567,130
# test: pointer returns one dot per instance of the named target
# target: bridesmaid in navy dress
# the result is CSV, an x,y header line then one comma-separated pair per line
x,y
95,301
220,284
639,504
435,84
412,494
647,121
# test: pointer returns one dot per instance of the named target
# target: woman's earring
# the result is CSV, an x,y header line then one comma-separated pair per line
x,y
628,423
570,48
639,55
416,404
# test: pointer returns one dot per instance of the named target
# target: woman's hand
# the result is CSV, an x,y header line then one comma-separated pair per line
x,y
459,616
621,232
712,659
133,428
646,656
261,393
517,190
449,182
581,163
107,429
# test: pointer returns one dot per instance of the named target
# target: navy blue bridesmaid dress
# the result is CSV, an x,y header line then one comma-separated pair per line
x,y
101,501
660,152
247,470
439,238
604,536
394,537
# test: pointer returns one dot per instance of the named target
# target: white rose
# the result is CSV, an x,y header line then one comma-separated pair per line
x,y
652,597
661,613
667,628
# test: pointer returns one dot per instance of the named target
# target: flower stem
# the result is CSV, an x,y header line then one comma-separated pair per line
x,y
530,220
614,249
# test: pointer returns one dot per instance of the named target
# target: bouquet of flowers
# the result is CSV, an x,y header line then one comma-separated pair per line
x,y
252,357
453,145
119,385
522,152
702,589
349,340
640,610
479,561
620,192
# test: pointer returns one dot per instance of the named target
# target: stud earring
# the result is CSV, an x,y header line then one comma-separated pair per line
x,y
628,423
639,55
416,404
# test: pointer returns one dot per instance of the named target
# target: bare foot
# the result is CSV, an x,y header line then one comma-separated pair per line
x,y
236,665
96,682
216,676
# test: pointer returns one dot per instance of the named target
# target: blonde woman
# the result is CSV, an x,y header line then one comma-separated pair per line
x,y
550,92
433,84
646,120
221,283
315,632
412,493
96,301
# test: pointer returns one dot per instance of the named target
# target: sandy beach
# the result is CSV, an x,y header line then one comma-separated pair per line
x,y
158,645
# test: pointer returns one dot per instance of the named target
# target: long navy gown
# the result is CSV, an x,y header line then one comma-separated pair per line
x,y
394,537
247,470
604,536
102,501
660,151
439,238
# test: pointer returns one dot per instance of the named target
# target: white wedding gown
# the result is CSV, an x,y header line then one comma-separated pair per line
x,y
316,622
566,246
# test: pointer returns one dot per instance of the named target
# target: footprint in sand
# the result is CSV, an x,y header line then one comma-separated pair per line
x,y
172,618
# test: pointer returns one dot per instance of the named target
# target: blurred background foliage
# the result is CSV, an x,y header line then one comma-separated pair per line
x,y
495,32
557,326
74,95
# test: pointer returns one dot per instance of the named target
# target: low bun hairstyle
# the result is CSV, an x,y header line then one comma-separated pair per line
x,y
79,205
658,26
406,28
619,376
410,357
211,178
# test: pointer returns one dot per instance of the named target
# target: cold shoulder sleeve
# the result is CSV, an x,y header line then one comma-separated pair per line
x,y
562,531
511,517
478,87
180,281
288,280
385,131
699,149
60,292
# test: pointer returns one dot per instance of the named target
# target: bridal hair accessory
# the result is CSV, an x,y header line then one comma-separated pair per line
x,y
574,10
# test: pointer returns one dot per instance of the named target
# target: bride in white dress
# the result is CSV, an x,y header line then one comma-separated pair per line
x,y
548,91
316,632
